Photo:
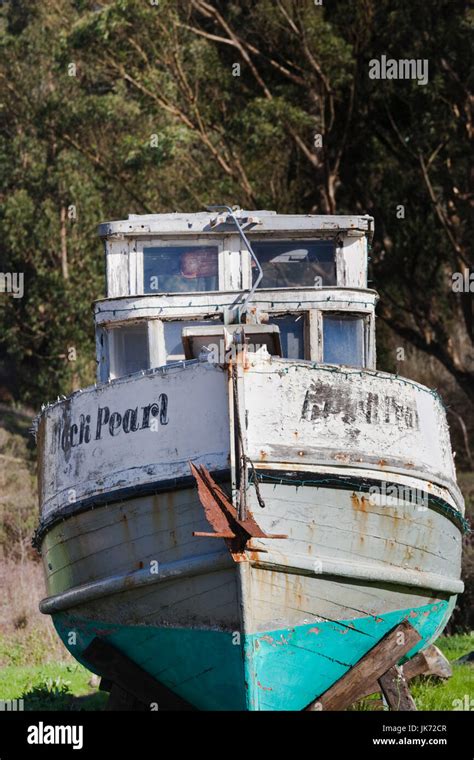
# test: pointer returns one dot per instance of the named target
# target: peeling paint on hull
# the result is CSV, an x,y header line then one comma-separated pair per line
x,y
280,669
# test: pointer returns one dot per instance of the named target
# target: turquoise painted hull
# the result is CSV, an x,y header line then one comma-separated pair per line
x,y
273,670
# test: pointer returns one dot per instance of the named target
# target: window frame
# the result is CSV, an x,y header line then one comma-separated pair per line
x,y
112,346
271,238
157,357
124,255
305,315
228,267
366,317
312,334
187,322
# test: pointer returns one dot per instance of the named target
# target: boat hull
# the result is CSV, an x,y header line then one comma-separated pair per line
x,y
269,633
354,468
282,669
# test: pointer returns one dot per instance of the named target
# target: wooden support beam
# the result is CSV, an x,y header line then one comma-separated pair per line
x,y
130,678
430,662
384,655
395,690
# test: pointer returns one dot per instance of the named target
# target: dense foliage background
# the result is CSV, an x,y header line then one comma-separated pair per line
x,y
137,106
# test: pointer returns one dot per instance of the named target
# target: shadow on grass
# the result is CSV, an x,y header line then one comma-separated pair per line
x,y
61,699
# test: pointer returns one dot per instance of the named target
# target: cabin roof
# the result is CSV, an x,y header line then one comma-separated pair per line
x,y
253,221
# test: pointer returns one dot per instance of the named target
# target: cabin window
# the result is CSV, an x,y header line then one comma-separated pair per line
x,y
173,344
344,340
295,263
128,349
291,335
180,269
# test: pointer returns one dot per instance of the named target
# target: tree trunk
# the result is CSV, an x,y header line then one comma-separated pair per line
x,y
64,261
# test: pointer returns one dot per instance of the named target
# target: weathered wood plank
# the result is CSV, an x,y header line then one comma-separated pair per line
x,y
209,599
395,690
372,666
321,598
430,662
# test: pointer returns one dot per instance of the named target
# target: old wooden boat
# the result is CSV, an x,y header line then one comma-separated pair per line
x,y
243,505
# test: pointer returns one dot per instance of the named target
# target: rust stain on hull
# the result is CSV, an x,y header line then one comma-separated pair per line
x,y
360,503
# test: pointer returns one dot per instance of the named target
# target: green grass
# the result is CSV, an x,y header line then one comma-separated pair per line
x,y
53,686
454,647
28,673
456,693
24,647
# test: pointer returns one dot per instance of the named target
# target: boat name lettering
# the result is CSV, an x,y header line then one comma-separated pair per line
x,y
323,400
109,422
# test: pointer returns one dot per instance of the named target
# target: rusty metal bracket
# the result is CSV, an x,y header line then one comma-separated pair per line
x,y
222,515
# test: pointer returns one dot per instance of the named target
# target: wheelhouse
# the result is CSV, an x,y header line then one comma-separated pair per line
x,y
177,284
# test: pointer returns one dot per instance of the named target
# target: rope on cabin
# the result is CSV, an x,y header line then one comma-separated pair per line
x,y
255,483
